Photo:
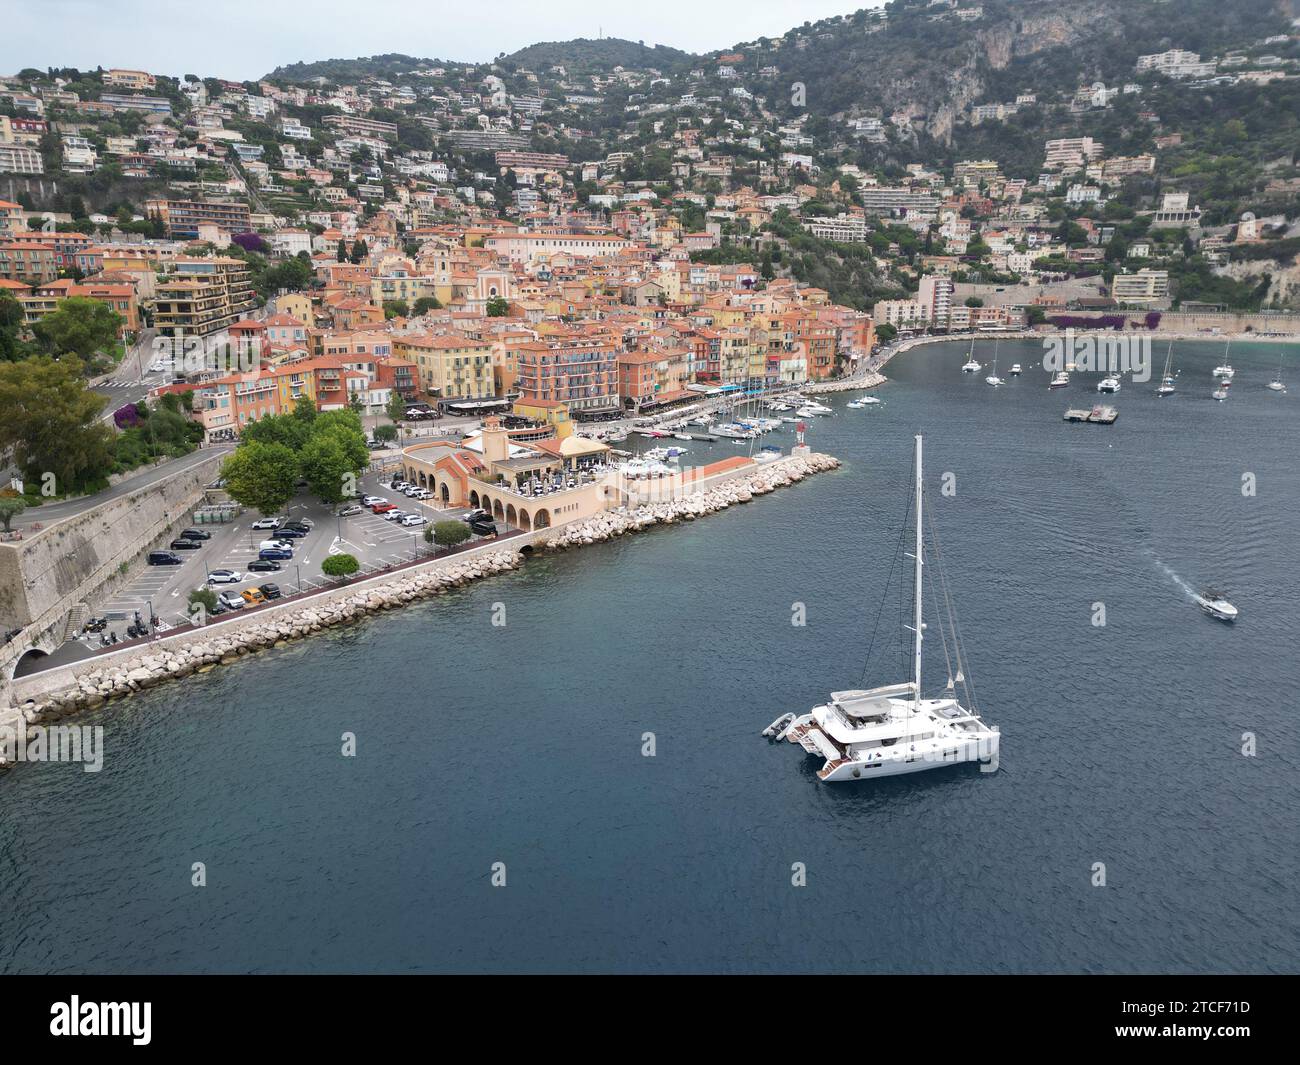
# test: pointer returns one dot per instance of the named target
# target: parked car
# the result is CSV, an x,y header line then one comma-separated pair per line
x,y
383,508
275,555
349,510
394,515
290,532
266,523
400,486
184,545
276,545
370,501
483,527
225,576
196,534
269,591
253,596
413,519
423,493
164,558
263,565
476,515
302,523
231,600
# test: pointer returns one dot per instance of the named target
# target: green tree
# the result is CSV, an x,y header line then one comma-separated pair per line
x,y
425,304
331,463
11,321
497,307
51,422
396,408
340,565
205,596
385,434
261,475
80,326
10,508
396,309
359,251
447,533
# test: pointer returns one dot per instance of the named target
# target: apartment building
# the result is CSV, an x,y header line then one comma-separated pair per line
x,y
580,372
1070,153
362,127
138,80
524,247
203,297
20,159
32,262
648,379
449,366
1144,286
182,218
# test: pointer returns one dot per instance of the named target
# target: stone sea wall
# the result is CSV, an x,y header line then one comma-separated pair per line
x,y
197,651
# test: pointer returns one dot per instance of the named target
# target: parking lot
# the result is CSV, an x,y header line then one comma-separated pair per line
x,y
159,595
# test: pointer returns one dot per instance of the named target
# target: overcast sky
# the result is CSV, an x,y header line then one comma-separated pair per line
x,y
244,39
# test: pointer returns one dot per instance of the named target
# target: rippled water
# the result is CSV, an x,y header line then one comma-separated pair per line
x,y
480,744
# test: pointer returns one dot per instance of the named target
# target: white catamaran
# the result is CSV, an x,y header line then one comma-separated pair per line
x,y
1166,386
888,731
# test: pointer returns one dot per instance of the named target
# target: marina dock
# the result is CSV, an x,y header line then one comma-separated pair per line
x,y
1098,415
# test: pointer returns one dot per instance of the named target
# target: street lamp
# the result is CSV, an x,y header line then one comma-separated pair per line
x,y
298,570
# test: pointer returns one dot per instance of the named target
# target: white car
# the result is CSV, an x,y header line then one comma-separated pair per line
x,y
275,545
370,501
225,576
414,519
266,523
394,515
231,600
161,366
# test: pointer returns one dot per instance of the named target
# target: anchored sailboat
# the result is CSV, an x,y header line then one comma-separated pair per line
x,y
1166,386
1276,384
970,365
891,730
993,378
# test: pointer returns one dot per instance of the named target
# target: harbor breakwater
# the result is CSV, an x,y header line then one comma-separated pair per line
x,y
90,686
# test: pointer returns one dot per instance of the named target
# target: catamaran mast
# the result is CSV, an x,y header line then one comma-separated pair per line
x,y
920,545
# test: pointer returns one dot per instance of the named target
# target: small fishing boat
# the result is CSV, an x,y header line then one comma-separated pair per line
x,y
1220,394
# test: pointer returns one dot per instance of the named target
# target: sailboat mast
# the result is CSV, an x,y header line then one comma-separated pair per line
x,y
920,545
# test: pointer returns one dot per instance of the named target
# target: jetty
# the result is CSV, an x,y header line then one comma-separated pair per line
x,y
1098,415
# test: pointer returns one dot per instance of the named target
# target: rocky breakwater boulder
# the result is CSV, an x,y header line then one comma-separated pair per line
x,y
241,636
760,481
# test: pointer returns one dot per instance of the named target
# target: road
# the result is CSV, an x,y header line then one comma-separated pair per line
x,y
131,381
52,512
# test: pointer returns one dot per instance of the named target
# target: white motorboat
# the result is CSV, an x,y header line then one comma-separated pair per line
x,y
864,401
1108,384
882,732
808,412
1220,394
1214,604
1015,369
1166,386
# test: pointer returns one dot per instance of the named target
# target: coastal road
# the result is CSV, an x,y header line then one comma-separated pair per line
x,y
52,512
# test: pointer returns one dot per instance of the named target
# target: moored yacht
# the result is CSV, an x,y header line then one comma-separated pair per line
x,y
1059,380
1015,369
1110,383
970,365
1166,386
887,731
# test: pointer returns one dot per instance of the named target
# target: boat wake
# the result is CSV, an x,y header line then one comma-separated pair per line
x,y
1173,576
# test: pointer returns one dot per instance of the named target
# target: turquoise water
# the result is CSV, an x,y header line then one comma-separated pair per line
x,y
522,744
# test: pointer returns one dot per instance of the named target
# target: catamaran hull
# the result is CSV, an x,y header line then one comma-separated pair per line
x,y
983,750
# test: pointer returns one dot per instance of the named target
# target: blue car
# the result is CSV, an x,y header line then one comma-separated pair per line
x,y
272,554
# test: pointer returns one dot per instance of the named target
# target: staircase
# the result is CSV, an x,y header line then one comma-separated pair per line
x,y
76,618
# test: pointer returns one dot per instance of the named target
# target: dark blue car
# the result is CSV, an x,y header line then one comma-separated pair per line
x,y
273,554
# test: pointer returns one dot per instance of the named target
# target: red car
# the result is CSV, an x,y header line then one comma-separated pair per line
x,y
383,508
